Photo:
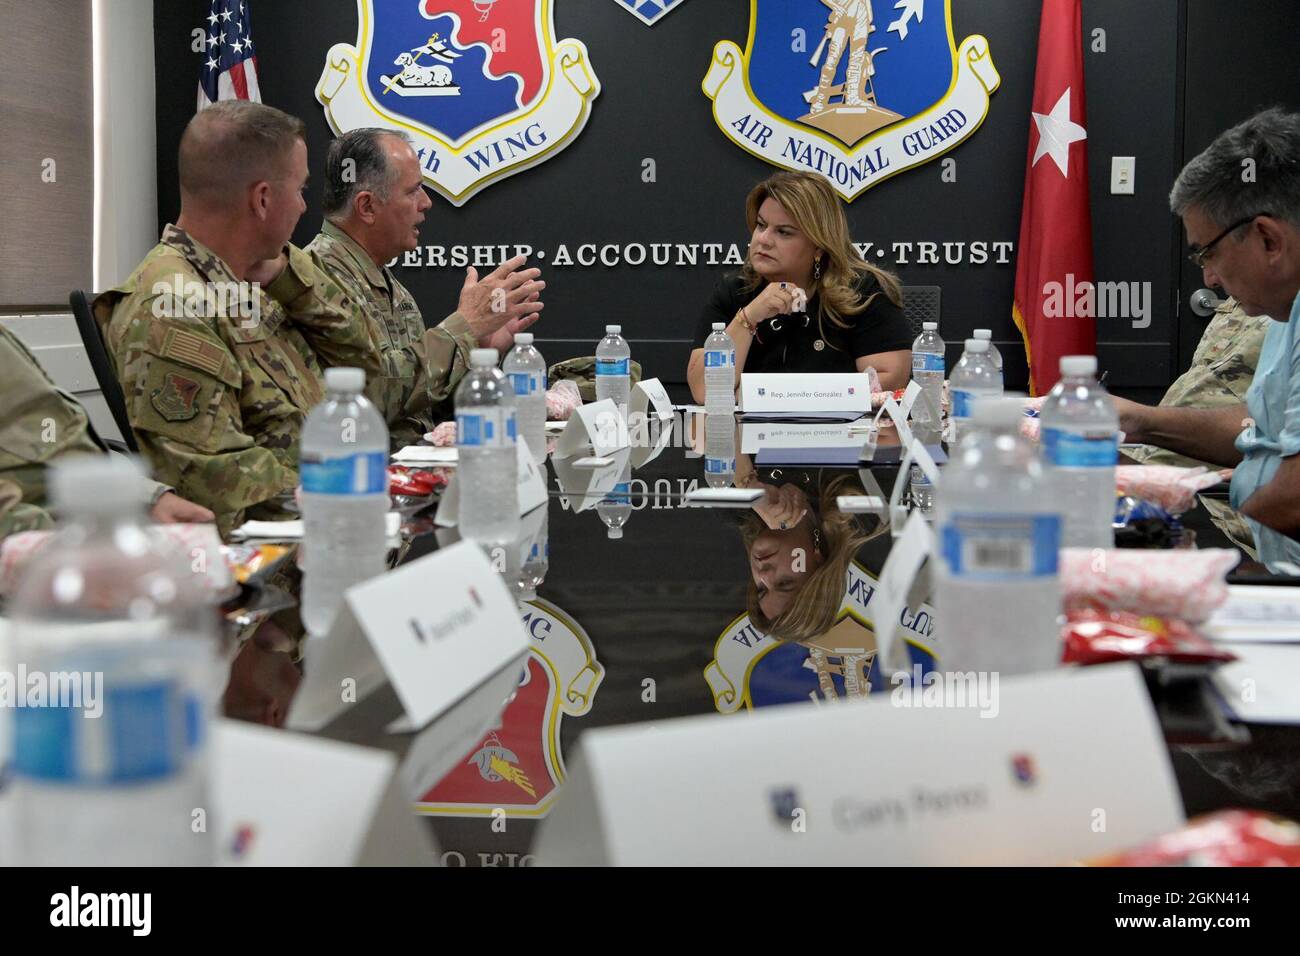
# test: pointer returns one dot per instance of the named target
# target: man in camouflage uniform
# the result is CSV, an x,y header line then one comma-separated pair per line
x,y
1221,372
374,203
221,334
40,425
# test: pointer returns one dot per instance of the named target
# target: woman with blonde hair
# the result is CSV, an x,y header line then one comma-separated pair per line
x,y
806,301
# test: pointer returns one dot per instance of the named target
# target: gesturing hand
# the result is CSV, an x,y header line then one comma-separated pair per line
x,y
501,297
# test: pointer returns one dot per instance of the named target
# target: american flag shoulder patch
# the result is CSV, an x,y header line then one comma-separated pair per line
x,y
194,351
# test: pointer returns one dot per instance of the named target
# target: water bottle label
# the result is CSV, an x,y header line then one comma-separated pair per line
x,y
488,428
1002,547
719,359
526,383
926,362
621,494
612,366
144,733
963,403
365,473
1066,449
719,466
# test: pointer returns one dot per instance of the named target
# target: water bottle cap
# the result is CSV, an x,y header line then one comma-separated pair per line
x,y
929,326
1077,365
615,533
613,330
997,411
719,326
96,484
984,334
345,379
523,338
483,358
977,345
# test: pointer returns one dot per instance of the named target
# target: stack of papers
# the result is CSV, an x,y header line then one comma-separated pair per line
x,y
293,530
427,455
1261,625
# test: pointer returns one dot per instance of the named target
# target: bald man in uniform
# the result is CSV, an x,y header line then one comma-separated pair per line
x,y
221,335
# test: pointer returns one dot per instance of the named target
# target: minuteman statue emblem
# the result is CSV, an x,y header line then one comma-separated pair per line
x,y
857,90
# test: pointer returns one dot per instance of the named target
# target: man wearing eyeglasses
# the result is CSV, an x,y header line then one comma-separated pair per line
x,y
1240,205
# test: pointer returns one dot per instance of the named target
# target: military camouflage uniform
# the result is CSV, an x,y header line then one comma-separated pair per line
x,y
421,369
39,424
1221,372
217,401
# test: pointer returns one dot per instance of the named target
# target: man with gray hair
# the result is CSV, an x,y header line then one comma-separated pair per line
x,y
374,203
1240,205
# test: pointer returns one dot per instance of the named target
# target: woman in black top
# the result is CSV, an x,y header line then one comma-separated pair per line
x,y
806,301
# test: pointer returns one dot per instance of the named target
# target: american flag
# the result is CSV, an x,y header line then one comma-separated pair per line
x,y
229,69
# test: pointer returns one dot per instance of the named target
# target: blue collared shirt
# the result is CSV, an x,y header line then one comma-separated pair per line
x,y
1274,404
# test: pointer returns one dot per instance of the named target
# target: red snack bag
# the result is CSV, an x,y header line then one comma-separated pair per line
x,y
413,482
1099,637
1227,838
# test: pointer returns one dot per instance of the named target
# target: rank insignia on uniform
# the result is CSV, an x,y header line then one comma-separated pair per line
x,y
177,400
649,12
850,89
482,86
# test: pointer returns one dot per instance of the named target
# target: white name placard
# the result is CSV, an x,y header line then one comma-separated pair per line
x,y
1073,766
286,799
818,392
594,429
436,628
755,436
585,487
530,482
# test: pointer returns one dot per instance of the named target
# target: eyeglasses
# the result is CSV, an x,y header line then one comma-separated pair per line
x,y
1199,256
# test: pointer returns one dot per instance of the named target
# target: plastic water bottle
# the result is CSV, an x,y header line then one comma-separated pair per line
x,y
614,368
719,372
526,369
928,370
994,355
344,474
973,377
487,472
719,450
112,618
1080,430
534,561
998,528
616,507
921,490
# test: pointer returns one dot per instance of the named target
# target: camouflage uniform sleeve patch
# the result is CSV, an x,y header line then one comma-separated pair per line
x,y
193,350
180,403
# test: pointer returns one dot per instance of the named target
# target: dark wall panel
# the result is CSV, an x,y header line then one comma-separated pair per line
x,y
651,106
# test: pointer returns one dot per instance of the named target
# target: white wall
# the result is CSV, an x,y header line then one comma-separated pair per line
x,y
126,192
126,199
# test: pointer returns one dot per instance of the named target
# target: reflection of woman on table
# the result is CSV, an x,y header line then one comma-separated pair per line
x,y
806,301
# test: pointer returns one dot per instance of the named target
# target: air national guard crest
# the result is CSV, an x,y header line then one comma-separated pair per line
x,y
857,90
751,669
481,86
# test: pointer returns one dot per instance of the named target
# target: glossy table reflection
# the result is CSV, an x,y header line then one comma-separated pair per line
x,y
653,625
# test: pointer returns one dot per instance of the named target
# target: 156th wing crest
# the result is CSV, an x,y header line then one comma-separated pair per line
x,y
481,86
856,90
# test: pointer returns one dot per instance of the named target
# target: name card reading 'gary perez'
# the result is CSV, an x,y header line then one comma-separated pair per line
x,y
820,392
1046,770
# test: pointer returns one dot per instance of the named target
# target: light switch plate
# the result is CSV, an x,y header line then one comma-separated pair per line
x,y
1122,173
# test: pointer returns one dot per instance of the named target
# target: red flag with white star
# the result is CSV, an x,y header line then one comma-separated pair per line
x,y
1054,269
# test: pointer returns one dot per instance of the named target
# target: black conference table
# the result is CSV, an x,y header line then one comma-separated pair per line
x,y
630,628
